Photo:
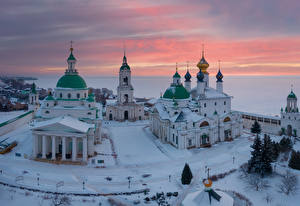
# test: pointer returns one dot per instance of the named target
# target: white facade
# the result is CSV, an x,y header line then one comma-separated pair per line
x,y
125,108
198,118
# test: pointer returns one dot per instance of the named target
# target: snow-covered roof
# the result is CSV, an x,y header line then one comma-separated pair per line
x,y
66,121
202,198
111,101
184,114
261,115
211,93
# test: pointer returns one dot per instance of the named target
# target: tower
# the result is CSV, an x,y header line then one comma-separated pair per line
x,y
176,77
291,103
71,62
203,66
200,83
219,77
33,95
187,82
125,89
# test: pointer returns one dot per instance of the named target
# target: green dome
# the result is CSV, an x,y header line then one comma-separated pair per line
x,y
90,98
176,92
71,81
49,98
176,75
292,95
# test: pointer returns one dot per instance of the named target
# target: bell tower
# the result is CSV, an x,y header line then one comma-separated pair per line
x,y
125,89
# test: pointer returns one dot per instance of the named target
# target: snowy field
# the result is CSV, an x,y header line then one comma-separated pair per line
x,y
4,116
139,155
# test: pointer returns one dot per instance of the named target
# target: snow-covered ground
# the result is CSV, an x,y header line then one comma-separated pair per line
x,y
140,155
4,116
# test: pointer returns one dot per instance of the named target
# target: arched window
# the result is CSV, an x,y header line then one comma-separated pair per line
x,y
78,95
47,112
227,119
204,124
47,104
89,105
84,95
69,95
60,95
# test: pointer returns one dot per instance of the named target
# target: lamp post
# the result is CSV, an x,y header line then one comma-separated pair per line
x,y
129,180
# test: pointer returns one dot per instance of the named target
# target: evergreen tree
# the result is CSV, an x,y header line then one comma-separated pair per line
x,y
256,129
276,150
186,175
254,164
285,144
266,156
295,160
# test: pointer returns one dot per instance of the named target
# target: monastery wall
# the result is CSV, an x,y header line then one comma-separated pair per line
x,y
16,122
269,124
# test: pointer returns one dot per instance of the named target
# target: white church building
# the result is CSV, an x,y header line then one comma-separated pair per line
x,y
67,122
199,117
125,108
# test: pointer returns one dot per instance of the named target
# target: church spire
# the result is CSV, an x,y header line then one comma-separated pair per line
x,y
219,75
71,60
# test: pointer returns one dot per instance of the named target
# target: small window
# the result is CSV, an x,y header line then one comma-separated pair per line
x,y
47,112
196,110
69,95
78,95
89,113
60,95
47,104
224,111
84,95
89,105
215,103
140,118
176,139
193,124
173,137
205,115
224,102
204,104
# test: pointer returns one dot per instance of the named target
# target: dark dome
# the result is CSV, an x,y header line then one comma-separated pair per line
x,y
219,76
200,76
187,76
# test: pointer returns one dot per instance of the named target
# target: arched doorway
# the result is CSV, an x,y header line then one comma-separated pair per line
x,y
227,119
204,124
126,115
110,117
289,130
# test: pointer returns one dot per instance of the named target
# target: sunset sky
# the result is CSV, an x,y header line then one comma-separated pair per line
x,y
249,37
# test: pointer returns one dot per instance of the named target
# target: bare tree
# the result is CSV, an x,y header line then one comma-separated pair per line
x,y
288,183
59,200
268,198
255,181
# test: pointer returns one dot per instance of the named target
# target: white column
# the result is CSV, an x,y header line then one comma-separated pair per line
x,y
84,148
35,145
44,147
74,148
53,148
63,148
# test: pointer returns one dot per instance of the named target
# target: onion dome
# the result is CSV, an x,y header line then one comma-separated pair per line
x,y
292,95
91,98
124,66
176,92
33,88
71,56
187,76
49,97
203,64
200,76
176,75
219,76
